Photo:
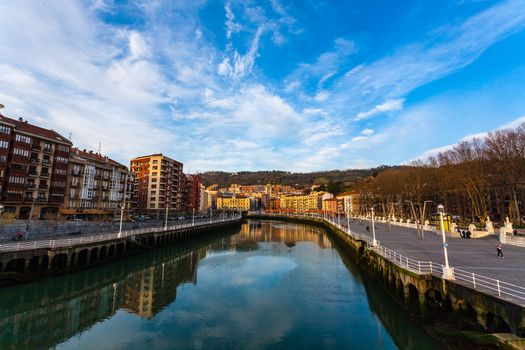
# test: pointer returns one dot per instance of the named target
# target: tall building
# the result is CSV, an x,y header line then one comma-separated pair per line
x,y
95,187
193,193
33,168
158,183
235,202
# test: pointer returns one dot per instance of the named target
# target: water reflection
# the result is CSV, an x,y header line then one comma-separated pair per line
x,y
270,285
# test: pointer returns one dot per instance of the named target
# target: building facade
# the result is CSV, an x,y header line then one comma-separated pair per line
x,y
33,169
234,202
158,183
193,193
96,186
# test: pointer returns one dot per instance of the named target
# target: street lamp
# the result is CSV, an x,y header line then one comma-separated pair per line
x,y
166,216
448,272
374,242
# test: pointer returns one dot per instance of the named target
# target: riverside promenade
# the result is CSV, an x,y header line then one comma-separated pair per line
x,y
474,261
50,256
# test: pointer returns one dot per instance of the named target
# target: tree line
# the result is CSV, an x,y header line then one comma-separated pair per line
x,y
475,179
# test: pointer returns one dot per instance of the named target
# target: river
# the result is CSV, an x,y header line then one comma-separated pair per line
x,y
267,285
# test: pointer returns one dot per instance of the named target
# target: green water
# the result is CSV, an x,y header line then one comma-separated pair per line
x,y
269,285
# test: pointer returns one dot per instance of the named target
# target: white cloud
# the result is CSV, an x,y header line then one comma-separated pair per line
x,y
385,107
367,132
231,26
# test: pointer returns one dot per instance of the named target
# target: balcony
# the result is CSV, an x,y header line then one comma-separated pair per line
x,y
46,161
28,199
74,185
42,174
43,187
76,173
41,199
35,146
34,160
47,150
30,185
33,173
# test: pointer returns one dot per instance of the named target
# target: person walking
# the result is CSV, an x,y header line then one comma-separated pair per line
x,y
500,251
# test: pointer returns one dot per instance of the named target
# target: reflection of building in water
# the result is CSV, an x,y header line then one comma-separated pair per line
x,y
271,231
148,291
59,309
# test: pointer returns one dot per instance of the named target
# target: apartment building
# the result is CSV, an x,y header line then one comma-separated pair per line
x,y
193,193
33,168
235,202
96,185
158,183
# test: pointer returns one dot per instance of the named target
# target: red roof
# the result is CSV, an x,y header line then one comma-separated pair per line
x,y
97,157
24,126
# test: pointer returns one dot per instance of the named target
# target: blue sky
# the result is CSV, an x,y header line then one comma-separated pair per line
x,y
251,85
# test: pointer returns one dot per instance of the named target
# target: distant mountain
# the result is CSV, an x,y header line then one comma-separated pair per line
x,y
344,178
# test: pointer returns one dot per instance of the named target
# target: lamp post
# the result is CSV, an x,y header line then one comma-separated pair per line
x,y
348,222
166,216
448,272
30,217
123,206
193,218
374,241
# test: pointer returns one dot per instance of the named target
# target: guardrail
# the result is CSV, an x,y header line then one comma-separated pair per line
x,y
492,286
69,242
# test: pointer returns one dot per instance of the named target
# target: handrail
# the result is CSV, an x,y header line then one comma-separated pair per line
x,y
492,286
69,242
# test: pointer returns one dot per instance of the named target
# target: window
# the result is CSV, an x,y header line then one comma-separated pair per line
x,y
152,199
154,180
62,160
4,144
63,148
60,172
21,152
155,162
16,179
153,193
154,174
152,206
155,167
22,138
5,130
3,159
153,186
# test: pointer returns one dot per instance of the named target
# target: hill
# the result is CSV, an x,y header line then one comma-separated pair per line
x,y
345,179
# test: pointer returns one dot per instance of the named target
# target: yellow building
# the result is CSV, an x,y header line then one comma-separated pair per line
x,y
312,201
234,202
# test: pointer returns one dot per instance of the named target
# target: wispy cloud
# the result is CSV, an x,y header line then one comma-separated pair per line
x,y
385,107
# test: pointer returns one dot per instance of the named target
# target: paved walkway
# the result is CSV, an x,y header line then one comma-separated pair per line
x,y
473,255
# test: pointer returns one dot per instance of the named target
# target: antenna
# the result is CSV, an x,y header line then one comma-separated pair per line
x,y
70,134
99,148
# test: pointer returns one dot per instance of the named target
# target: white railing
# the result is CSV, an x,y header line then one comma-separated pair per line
x,y
492,286
69,242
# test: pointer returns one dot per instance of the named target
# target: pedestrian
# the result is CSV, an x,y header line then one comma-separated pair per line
x,y
515,232
463,234
468,234
500,251
368,229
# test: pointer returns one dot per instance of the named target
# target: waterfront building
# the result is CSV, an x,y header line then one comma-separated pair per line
x,y
96,186
33,169
235,202
330,205
193,193
344,203
158,183
312,201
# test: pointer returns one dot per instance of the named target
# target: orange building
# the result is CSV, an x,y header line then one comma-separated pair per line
x,y
330,205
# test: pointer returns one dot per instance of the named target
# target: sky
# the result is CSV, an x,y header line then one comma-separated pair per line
x,y
265,85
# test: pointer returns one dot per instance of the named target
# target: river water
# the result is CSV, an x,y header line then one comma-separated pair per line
x,y
267,285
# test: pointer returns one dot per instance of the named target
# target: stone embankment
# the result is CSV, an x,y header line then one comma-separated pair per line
x,y
498,307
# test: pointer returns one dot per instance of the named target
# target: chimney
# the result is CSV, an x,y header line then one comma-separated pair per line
x,y
20,119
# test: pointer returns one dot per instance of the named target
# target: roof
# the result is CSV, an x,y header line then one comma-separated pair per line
x,y
345,194
23,126
96,157
155,155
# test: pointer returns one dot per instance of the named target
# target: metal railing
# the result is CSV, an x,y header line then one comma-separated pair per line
x,y
69,242
492,286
